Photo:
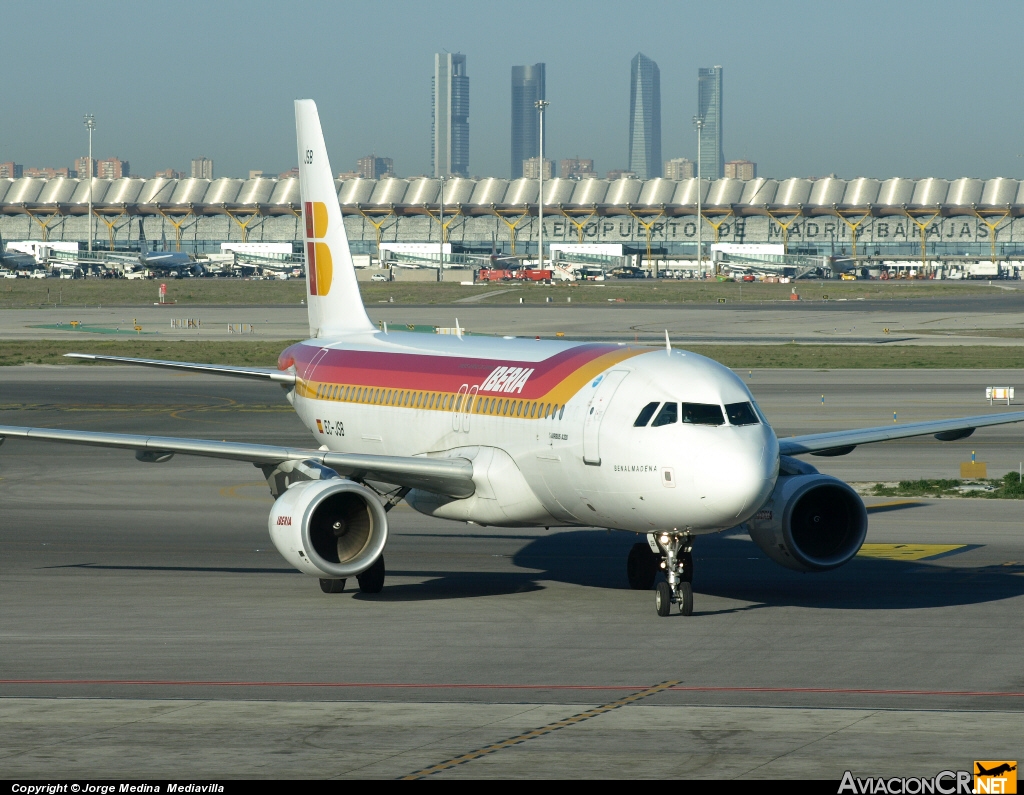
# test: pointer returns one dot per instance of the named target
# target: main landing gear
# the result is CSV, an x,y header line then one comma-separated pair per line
x,y
370,581
675,559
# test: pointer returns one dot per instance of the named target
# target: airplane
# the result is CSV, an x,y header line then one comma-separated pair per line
x,y
662,443
15,260
162,260
998,770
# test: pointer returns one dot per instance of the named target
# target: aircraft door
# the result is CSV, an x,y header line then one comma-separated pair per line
x,y
460,407
604,388
310,374
467,407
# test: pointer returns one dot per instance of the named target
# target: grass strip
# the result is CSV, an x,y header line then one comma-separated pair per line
x,y
1009,487
35,293
788,356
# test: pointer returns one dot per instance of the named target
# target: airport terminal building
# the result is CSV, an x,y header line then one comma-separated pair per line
x,y
894,219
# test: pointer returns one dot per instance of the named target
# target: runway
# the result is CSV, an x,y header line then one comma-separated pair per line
x,y
150,629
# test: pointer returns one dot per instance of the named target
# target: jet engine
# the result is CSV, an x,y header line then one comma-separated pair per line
x,y
331,529
811,522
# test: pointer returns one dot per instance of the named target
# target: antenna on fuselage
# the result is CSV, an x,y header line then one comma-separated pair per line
x,y
668,345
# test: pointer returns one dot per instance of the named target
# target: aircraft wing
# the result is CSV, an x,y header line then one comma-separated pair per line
x,y
452,477
833,443
261,373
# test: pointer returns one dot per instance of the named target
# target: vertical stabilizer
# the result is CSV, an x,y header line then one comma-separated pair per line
x,y
143,246
332,294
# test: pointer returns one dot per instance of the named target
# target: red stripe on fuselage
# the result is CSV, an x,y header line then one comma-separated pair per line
x,y
438,373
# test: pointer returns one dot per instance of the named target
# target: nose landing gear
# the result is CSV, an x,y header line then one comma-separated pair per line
x,y
677,563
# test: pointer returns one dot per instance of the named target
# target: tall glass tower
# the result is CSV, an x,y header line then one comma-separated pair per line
x,y
527,88
709,105
449,115
645,118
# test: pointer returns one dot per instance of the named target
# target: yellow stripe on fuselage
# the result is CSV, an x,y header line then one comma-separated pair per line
x,y
488,403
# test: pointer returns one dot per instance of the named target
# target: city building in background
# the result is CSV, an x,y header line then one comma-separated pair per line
x,y
47,172
645,117
531,168
11,170
170,173
574,168
292,173
202,168
373,167
527,88
709,106
83,169
740,169
620,173
449,115
112,168
679,168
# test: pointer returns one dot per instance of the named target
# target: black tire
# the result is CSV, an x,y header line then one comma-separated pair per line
x,y
641,567
685,591
687,558
332,586
663,599
372,580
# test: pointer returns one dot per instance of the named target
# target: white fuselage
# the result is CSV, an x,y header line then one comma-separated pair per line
x,y
576,458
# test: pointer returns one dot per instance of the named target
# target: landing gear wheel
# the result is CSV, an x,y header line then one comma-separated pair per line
x,y
684,593
372,580
642,567
332,586
663,599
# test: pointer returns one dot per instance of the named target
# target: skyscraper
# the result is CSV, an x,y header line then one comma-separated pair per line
x,y
645,118
202,168
449,115
373,167
709,105
527,88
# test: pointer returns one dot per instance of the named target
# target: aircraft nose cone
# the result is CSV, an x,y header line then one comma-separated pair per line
x,y
732,480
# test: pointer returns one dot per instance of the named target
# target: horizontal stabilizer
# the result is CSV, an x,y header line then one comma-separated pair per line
x,y
260,373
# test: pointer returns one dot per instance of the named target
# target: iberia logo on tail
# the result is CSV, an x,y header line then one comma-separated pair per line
x,y
318,255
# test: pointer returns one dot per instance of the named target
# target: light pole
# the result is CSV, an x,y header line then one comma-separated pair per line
x,y
90,125
698,122
541,105
440,253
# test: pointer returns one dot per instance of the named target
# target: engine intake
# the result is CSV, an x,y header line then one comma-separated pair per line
x,y
329,528
811,522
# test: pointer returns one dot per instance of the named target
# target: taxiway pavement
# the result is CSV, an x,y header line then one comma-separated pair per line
x,y
149,628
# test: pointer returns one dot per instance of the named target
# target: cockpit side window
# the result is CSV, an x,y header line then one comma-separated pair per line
x,y
741,414
702,414
645,415
669,414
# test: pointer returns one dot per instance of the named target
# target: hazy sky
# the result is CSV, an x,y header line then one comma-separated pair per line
x,y
874,88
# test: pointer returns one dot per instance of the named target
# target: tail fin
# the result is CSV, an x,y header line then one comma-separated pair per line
x,y
334,303
143,246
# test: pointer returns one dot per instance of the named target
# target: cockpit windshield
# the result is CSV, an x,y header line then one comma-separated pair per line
x,y
741,414
702,414
696,414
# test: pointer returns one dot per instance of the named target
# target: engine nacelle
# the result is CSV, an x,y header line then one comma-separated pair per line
x,y
811,522
329,528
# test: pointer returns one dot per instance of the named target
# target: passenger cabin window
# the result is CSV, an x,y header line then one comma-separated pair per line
x,y
645,415
741,414
703,414
669,414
